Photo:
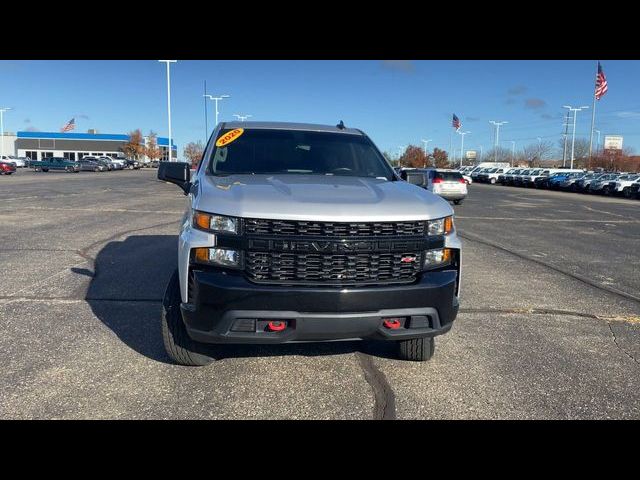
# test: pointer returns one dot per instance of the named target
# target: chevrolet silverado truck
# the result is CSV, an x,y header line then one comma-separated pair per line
x,y
55,163
304,233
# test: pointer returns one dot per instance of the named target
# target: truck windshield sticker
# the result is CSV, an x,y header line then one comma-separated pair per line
x,y
229,137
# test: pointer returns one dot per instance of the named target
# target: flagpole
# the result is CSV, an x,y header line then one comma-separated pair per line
x,y
451,143
593,119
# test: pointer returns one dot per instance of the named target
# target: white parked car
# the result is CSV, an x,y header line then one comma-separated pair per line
x,y
624,184
19,161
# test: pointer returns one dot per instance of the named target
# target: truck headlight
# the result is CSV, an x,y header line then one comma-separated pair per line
x,y
438,257
217,256
441,226
215,223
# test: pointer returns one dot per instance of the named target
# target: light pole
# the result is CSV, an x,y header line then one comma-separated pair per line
x,y
426,142
169,62
573,137
2,110
480,160
462,134
217,99
497,125
242,118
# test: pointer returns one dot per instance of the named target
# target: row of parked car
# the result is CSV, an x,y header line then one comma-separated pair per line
x,y
88,163
573,180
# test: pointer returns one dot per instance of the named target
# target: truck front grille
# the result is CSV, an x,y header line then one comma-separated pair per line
x,y
253,226
333,269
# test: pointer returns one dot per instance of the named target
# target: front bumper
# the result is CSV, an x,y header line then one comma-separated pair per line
x,y
427,308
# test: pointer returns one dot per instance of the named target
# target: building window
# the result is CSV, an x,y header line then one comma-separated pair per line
x,y
32,155
97,154
70,156
47,154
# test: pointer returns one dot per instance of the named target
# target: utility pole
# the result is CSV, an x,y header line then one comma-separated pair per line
x,y
497,125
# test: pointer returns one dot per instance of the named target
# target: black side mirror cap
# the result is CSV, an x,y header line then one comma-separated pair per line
x,y
416,178
176,172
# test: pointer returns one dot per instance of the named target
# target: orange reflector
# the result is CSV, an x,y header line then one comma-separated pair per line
x,y
202,220
446,255
448,225
201,254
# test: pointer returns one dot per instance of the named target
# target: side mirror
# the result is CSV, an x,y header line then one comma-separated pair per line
x,y
416,178
176,172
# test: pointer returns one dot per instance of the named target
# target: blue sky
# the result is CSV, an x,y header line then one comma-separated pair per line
x,y
395,102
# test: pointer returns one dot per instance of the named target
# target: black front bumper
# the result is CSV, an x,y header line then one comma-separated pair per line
x,y
426,308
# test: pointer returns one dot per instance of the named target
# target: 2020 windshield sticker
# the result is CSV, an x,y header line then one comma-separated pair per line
x,y
229,137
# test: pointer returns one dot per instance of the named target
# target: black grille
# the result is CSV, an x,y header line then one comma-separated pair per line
x,y
333,229
314,268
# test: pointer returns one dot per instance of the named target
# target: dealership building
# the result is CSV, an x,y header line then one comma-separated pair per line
x,y
73,146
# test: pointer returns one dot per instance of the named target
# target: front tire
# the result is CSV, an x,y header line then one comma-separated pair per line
x,y
457,202
179,346
417,349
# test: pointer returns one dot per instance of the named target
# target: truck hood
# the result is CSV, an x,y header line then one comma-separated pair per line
x,y
316,197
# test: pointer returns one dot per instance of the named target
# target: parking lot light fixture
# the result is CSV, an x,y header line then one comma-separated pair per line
x,y
497,125
462,134
169,62
242,118
426,142
2,110
216,100
575,111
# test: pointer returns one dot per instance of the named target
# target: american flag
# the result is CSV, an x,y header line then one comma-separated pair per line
x,y
456,122
601,83
71,124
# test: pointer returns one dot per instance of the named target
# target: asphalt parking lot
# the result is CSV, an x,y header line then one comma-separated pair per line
x,y
549,326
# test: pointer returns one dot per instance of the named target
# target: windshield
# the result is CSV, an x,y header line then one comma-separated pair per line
x,y
264,151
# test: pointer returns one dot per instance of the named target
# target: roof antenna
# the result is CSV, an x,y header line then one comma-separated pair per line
x,y
341,125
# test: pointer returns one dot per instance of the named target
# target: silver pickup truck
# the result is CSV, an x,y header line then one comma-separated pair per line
x,y
304,233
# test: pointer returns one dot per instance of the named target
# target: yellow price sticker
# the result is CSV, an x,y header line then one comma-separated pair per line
x,y
229,137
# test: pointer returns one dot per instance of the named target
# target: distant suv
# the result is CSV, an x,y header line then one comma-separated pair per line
x,y
304,233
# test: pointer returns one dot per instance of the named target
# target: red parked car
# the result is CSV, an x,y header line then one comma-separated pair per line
x,y
7,168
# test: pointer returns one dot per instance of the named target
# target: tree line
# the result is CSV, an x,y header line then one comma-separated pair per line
x,y
536,154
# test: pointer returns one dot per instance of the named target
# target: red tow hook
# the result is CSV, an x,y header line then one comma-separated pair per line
x,y
392,323
276,326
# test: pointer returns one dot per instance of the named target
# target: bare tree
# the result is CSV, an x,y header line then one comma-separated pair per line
x,y
193,151
151,150
499,154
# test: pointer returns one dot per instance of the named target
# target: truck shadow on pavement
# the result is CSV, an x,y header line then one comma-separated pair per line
x,y
126,291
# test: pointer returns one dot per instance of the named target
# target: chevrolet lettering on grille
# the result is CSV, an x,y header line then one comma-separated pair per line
x,y
335,247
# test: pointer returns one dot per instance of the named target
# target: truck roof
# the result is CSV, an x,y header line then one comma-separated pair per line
x,y
312,127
